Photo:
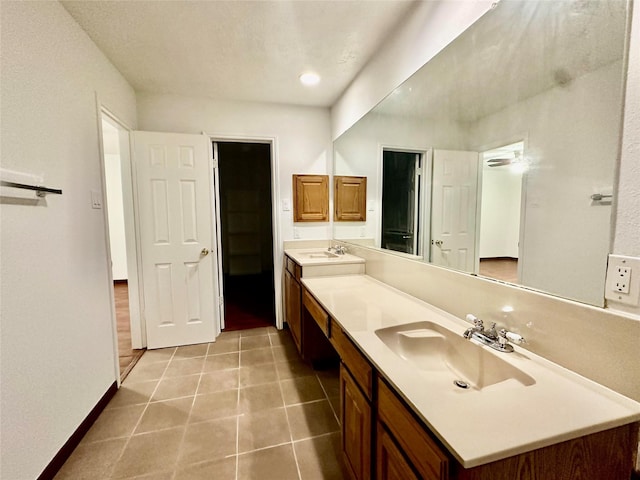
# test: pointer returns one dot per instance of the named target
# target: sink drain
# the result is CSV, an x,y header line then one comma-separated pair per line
x,y
461,384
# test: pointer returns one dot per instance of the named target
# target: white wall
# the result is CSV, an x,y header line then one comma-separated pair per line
x,y
500,213
358,152
115,209
302,138
427,29
57,344
564,170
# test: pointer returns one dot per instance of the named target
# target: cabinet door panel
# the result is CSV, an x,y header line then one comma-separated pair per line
x,y
293,311
355,418
390,463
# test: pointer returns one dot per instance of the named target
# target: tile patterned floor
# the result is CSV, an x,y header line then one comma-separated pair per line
x,y
244,407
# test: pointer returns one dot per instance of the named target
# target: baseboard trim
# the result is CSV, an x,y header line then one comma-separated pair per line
x,y
65,452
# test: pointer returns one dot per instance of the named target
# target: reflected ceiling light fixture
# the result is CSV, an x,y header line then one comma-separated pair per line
x,y
516,164
309,79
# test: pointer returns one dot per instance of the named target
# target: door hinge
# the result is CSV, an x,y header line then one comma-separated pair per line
x,y
215,163
220,301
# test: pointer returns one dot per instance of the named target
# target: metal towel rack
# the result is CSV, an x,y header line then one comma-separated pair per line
x,y
40,190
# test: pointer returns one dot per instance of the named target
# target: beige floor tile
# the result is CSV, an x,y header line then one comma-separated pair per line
x,y
165,475
301,389
133,394
277,463
262,429
94,460
215,439
166,414
282,339
286,353
223,469
311,419
150,452
320,458
224,346
190,351
227,335
330,380
335,405
260,397
214,405
144,373
221,362
218,380
258,374
176,387
255,331
256,341
159,355
258,356
293,369
188,366
114,423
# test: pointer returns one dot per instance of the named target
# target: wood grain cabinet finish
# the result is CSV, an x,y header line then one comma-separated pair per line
x,y
430,462
355,418
390,462
350,355
350,199
310,198
293,311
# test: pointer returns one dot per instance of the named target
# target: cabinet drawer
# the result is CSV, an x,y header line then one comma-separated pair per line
x,y
420,448
294,269
357,364
317,312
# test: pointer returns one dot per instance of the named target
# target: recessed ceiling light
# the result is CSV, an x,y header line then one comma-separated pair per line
x,y
310,78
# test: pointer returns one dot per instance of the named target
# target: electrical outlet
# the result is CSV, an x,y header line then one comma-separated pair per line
x,y
623,279
622,284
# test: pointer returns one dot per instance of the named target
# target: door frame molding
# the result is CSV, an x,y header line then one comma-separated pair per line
x,y
278,250
138,334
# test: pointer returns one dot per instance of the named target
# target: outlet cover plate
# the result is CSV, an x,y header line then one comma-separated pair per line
x,y
623,274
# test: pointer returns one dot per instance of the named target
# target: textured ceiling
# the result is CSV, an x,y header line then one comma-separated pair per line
x,y
512,53
240,50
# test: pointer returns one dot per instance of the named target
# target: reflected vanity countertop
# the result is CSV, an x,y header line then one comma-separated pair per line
x,y
320,256
478,426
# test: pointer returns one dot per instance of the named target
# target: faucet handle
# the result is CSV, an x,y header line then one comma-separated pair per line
x,y
507,336
471,318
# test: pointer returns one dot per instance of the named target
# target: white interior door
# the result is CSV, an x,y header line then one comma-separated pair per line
x,y
453,209
174,178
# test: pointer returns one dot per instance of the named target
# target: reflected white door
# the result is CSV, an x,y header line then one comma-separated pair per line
x,y
175,215
453,209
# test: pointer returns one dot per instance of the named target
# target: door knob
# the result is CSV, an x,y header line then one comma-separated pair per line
x,y
437,243
204,252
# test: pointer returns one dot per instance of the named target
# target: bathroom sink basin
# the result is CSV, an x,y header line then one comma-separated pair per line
x,y
321,254
434,349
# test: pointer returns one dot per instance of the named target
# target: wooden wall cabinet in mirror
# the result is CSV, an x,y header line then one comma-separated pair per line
x,y
350,199
310,198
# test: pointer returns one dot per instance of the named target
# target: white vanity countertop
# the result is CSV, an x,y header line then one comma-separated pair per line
x,y
305,257
478,426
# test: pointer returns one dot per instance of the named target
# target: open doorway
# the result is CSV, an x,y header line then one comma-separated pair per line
x,y
401,201
119,208
502,174
246,234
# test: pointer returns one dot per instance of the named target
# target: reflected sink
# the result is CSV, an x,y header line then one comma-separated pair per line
x,y
433,348
321,254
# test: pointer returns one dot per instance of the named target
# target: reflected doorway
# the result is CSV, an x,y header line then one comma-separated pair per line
x,y
503,170
401,200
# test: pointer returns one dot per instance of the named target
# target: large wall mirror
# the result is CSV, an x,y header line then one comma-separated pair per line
x,y
498,156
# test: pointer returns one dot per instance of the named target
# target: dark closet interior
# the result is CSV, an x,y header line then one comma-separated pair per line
x,y
247,234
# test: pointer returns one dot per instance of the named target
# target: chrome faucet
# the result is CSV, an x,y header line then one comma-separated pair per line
x,y
339,249
498,340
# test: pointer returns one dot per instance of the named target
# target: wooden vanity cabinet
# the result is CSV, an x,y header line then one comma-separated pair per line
x,y
310,198
391,464
293,301
356,420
